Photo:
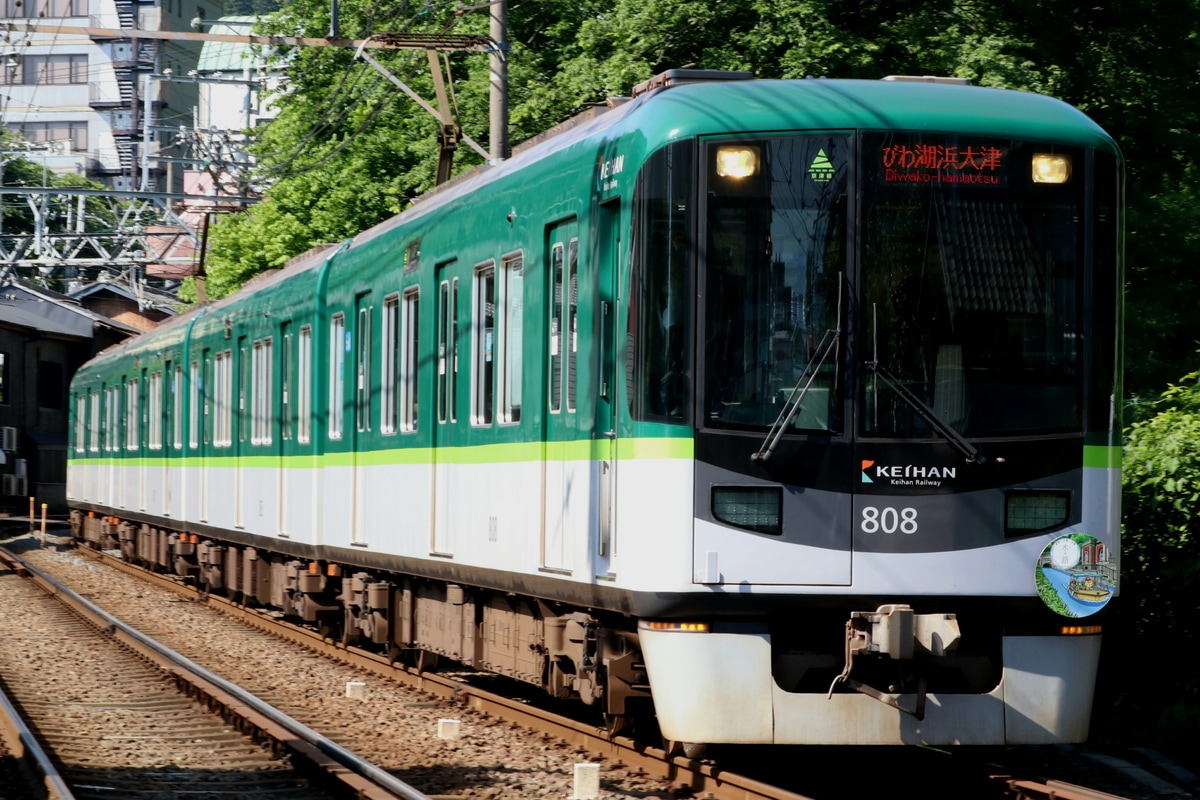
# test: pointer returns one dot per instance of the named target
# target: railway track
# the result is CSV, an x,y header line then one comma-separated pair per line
x,y
121,716
660,774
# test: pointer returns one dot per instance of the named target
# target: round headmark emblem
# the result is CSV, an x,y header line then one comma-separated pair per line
x,y
1075,575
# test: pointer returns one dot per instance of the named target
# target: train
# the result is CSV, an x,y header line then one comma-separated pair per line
x,y
763,409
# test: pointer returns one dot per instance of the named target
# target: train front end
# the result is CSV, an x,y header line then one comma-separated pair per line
x,y
903,380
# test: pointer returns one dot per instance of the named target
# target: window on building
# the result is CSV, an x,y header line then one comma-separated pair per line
x,y
3,378
50,9
50,384
45,69
72,135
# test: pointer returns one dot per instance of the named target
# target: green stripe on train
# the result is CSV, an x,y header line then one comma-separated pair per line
x,y
1102,456
506,453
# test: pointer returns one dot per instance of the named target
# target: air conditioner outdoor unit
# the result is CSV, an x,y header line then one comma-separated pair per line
x,y
9,485
61,147
8,439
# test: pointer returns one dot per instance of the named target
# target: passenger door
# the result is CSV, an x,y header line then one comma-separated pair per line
x,y
446,434
564,474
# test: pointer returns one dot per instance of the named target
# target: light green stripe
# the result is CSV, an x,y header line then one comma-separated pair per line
x,y
1102,457
505,453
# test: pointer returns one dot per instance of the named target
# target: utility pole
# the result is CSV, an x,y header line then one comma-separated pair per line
x,y
498,63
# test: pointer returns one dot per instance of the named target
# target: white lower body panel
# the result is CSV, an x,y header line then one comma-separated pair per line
x,y
715,687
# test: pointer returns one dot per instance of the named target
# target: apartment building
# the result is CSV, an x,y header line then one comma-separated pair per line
x,y
93,98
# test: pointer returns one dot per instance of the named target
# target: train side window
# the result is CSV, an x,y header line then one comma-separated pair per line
x,y
177,404
362,372
511,336
80,422
389,358
285,384
243,388
483,326
94,419
572,330
304,384
154,413
409,361
194,406
556,326
260,396
447,349
223,395
131,414
337,377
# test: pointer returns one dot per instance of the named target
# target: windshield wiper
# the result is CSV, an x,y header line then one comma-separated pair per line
x,y
955,438
792,406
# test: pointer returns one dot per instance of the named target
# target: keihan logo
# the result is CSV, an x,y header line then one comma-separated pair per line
x,y
907,474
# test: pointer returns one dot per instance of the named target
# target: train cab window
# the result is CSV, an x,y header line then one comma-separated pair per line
x,y
776,222
409,360
657,374
973,286
483,325
304,386
337,375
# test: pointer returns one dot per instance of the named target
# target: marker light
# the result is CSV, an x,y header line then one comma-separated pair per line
x,y
668,625
1080,630
737,161
1051,168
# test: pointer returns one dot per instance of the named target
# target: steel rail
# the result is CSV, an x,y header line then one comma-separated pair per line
x,y
699,778
26,749
366,779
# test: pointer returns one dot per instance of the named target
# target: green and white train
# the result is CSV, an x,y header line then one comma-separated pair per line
x,y
762,401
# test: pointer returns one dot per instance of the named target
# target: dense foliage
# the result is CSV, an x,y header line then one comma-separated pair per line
x,y
1160,563
349,150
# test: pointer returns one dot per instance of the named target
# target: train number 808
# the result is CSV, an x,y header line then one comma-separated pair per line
x,y
888,520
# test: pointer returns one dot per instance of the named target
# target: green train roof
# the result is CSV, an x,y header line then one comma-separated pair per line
x,y
767,105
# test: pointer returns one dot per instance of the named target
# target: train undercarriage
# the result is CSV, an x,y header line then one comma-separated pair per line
x,y
567,652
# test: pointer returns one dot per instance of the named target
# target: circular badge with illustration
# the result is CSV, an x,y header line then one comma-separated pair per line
x,y
1075,575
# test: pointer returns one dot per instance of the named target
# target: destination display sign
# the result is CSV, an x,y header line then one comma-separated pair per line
x,y
945,164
